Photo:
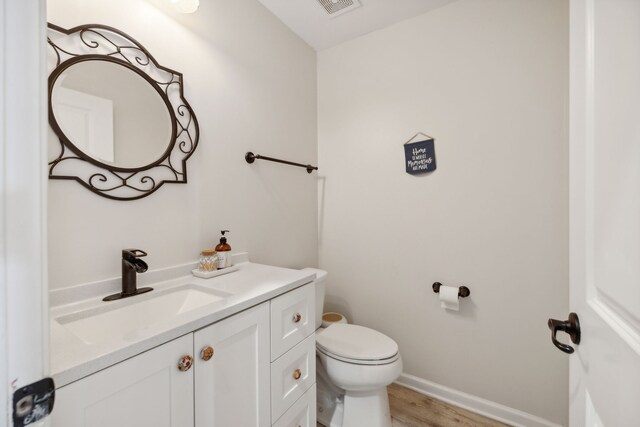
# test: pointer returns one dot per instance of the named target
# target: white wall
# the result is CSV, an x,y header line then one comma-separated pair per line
x,y
489,80
252,85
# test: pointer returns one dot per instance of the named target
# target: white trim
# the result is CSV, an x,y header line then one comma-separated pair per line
x,y
4,364
41,23
578,46
473,403
589,149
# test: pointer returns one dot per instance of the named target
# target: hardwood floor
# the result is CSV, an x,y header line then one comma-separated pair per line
x,y
412,409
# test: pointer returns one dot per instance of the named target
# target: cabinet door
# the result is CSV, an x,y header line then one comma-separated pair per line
x,y
147,390
233,385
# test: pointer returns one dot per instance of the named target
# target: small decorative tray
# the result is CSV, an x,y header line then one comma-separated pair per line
x,y
215,273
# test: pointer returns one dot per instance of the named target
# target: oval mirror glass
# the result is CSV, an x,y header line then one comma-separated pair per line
x,y
112,114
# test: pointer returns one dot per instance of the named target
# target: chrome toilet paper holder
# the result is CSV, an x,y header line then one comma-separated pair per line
x,y
463,291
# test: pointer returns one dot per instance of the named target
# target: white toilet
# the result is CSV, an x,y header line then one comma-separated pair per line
x,y
354,366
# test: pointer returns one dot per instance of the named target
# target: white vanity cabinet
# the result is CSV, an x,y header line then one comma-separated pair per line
x,y
146,390
232,386
255,368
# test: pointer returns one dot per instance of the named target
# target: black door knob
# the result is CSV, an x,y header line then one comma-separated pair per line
x,y
571,327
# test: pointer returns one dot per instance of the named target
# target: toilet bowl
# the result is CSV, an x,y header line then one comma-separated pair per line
x,y
354,366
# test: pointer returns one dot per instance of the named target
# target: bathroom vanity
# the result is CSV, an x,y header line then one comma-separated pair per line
x,y
236,350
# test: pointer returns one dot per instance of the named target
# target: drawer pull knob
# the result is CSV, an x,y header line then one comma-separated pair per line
x,y
297,374
206,353
185,363
297,317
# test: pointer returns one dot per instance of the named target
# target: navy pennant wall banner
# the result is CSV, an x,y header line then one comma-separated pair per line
x,y
420,156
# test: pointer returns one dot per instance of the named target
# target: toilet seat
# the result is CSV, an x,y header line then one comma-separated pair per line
x,y
357,345
359,361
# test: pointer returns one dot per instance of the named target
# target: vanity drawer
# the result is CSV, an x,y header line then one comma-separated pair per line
x,y
292,375
292,319
302,413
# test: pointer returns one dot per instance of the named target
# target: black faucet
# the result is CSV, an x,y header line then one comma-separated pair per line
x,y
131,266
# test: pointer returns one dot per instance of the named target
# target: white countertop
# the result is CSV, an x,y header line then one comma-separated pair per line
x,y
73,358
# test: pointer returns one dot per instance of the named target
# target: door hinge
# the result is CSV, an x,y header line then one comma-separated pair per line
x,y
33,402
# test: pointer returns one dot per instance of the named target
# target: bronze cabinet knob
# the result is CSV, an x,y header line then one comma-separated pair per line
x,y
206,353
185,363
297,317
297,374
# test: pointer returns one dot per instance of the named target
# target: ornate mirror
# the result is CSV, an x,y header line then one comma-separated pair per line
x,y
124,126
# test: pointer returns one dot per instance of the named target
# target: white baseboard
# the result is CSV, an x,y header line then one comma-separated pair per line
x,y
472,403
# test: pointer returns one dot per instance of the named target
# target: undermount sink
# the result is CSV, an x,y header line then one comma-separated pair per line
x,y
129,319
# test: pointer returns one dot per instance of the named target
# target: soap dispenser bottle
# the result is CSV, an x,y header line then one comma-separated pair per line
x,y
224,252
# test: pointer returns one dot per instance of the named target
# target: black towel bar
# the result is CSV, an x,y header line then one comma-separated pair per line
x,y
250,158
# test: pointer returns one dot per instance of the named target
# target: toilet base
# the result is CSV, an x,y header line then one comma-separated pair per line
x,y
331,414
363,409
330,406
369,409
337,408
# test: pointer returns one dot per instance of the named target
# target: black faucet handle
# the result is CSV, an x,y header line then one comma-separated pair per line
x,y
130,254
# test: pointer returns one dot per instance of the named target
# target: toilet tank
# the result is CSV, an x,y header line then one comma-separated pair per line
x,y
321,287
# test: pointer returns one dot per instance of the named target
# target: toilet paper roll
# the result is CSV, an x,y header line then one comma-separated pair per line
x,y
331,317
449,298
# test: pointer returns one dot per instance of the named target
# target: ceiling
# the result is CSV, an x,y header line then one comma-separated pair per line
x,y
310,21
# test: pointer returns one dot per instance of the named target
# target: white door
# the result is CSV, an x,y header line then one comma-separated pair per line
x,y
24,324
232,384
148,390
605,212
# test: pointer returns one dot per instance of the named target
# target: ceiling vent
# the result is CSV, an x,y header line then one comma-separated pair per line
x,y
338,7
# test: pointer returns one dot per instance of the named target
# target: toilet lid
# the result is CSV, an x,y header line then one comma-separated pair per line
x,y
356,342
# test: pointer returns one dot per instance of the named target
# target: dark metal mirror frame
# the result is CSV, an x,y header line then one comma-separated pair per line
x,y
102,43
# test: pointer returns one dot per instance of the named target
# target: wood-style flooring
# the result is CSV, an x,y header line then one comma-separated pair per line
x,y
412,409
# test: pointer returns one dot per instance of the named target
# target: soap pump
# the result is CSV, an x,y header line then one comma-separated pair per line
x,y
224,252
